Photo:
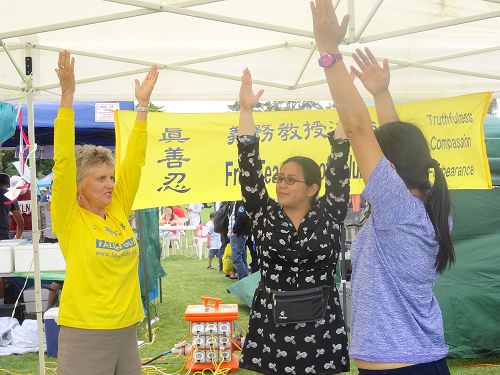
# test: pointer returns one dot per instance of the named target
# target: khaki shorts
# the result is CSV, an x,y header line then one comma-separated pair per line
x,y
98,352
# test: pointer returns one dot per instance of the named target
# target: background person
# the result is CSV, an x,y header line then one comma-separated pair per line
x,y
8,208
24,203
194,214
45,203
214,244
239,229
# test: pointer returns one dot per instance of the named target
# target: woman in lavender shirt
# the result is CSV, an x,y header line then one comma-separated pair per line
x,y
406,243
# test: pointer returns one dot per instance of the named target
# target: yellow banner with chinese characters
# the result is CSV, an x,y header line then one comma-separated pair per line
x,y
193,157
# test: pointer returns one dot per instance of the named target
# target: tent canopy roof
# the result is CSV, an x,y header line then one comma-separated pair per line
x,y
437,47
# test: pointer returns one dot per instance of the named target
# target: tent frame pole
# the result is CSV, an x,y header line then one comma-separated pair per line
x,y
170,67
351,27
215,17
304,67
368,19
34,216
429,27
17,67
458,55
9,87
179,63
94,20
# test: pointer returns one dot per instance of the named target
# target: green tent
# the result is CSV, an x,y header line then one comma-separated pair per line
x,y
492,136
469,293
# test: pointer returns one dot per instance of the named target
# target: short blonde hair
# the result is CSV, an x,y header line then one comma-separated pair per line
x,y
88,156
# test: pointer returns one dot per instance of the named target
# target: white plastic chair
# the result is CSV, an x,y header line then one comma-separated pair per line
x,y
167,240
200,239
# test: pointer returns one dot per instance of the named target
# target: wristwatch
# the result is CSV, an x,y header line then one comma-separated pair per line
x,y
328,59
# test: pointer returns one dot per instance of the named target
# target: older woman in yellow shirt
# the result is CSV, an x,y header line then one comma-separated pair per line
x,y
101,302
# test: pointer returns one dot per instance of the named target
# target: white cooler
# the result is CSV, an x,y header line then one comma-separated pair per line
x,y
7,254
51,258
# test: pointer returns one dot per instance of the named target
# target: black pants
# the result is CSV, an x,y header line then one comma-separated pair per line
x,y
254,264
430,368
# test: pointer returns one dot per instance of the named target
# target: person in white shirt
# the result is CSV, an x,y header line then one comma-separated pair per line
x,y
194,214
214,244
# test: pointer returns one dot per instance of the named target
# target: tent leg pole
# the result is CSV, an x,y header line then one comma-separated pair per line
x,y
161,290
34,216
351,29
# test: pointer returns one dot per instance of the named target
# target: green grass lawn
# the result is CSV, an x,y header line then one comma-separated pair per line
x,y
187,279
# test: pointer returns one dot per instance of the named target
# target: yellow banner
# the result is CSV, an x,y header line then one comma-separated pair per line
x,y
193,157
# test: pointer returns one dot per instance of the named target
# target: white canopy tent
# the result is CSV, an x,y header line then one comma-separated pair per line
x,y
436,48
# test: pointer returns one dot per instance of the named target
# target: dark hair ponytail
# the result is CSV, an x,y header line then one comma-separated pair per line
x,y
405,146
438,207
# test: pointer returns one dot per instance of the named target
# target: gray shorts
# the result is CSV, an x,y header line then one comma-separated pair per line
x,y
98,351
212,253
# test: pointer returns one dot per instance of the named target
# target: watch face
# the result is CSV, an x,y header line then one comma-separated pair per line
x,y
325,60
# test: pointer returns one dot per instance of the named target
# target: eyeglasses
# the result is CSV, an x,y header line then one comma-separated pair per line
x,y
278,179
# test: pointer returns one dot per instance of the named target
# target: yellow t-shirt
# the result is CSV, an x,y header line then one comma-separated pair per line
x,y
101,288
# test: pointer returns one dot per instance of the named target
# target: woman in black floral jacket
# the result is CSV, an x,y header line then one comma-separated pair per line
x,y
298,242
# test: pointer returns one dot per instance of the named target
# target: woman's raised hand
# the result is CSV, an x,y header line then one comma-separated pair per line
x,y
327,30
372,75
66,73
144,89
248,99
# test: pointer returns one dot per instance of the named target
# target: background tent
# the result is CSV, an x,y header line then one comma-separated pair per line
x,y
492,138
436,48
468,292
88,130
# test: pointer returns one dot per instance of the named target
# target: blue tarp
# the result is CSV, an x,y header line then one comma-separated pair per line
x,y
46,181
87,129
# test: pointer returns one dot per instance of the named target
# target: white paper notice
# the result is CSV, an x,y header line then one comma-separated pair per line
x,y
104,112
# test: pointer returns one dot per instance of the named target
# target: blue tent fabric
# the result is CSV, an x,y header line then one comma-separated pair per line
x,y
87,129
46,181
7,121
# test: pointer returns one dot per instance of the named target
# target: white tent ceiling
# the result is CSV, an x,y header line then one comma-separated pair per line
x,y
437,47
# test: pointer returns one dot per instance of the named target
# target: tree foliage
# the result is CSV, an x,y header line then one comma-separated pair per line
x,y
43,166
290,105
155,108
493,108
